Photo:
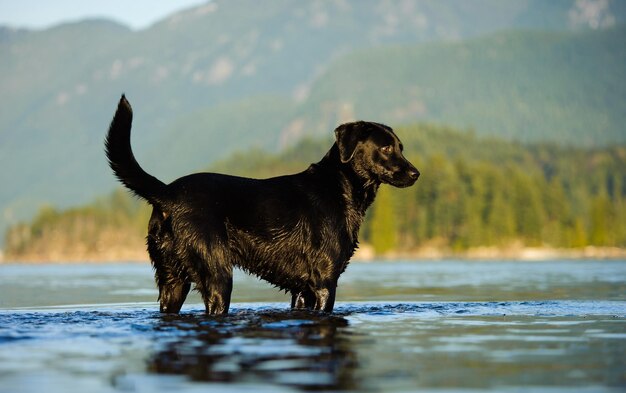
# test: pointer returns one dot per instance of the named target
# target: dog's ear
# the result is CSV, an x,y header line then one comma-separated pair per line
x,y
347,136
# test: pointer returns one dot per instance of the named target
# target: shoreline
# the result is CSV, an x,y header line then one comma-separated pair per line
x,y
364,254
495,253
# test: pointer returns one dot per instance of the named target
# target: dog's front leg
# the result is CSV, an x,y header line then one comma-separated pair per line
x,y
302,299
325,298
216,295
322,299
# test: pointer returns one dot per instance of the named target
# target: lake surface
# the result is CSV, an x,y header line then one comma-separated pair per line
x,y
397,327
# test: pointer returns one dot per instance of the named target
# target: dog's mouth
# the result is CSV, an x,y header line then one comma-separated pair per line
x,y
403,184
403,179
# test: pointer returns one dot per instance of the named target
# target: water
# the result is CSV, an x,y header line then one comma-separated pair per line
x,y
397,327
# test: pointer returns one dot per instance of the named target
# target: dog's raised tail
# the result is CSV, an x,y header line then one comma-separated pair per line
x,y
123,162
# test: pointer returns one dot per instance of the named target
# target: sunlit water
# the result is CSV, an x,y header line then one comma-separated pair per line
x,y
397,327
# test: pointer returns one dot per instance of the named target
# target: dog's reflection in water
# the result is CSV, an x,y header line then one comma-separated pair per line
x,y
292,348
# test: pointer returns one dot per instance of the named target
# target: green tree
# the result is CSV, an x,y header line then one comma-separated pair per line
x,y
557,214
528,208
577,236
383,224
600,208
500,221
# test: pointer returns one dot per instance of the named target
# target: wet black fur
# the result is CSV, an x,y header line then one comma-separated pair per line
x,y
297,232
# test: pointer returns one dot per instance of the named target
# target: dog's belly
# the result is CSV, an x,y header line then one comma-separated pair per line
x,y
292,259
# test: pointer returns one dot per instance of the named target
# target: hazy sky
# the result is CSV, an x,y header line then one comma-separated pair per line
x,y
137,14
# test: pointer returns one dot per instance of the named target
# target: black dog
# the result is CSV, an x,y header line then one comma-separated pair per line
x,y
298,231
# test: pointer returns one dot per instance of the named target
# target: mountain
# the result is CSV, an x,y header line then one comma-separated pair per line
x,y
220,77
527,86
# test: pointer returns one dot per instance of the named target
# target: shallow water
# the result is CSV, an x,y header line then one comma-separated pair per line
x,y
492,326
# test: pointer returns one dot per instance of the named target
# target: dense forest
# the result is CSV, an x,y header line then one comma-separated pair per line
x,y
473,192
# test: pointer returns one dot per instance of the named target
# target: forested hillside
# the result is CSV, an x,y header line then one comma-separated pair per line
x,y
474,191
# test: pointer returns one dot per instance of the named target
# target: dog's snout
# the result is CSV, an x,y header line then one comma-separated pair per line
x,y
413,173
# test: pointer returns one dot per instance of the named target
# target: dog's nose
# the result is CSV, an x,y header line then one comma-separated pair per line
x,y
414,173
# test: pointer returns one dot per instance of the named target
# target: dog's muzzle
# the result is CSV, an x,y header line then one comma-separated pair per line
x,y
406,177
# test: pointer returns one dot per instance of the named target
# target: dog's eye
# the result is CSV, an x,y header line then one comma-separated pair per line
x,y
386,149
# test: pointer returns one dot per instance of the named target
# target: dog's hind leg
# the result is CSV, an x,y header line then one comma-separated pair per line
x,y
171,277
173,289
173,295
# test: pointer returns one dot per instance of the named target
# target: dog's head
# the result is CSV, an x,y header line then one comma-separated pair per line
x,y
375,153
